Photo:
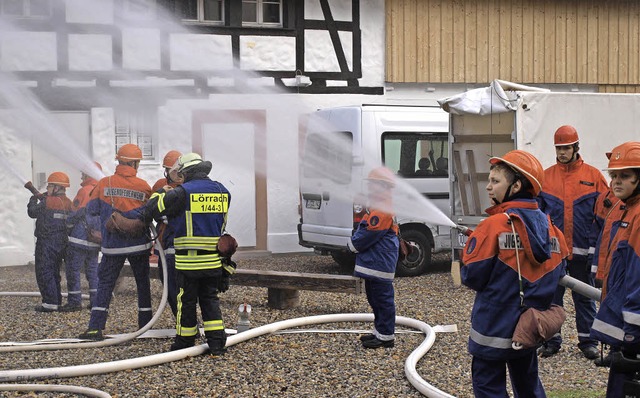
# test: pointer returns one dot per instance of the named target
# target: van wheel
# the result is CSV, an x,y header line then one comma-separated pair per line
x,y
419,260
346,260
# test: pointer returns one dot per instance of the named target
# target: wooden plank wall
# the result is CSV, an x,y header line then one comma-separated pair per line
x,y
526,41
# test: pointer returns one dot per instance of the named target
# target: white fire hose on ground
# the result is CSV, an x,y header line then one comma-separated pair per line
x,y
77,343
157,359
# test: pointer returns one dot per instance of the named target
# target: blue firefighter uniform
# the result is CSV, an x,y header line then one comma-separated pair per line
x,y
122,191
375,243
568,195
82,253
197,212
490,268
51,214
617,322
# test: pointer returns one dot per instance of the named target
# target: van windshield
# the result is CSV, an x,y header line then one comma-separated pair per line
x,y
328,155
416,155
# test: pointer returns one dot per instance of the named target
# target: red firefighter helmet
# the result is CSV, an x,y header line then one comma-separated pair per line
x,y
526,164
129,153
382,174
565,135
624,156
170,159
58,178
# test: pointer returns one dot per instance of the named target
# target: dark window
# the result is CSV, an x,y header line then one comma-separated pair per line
x,y
262,12
204,11
416,155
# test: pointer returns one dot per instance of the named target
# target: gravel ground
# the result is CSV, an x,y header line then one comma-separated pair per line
x,y
284,365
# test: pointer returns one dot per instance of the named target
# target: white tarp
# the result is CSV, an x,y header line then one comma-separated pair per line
x,y
501,96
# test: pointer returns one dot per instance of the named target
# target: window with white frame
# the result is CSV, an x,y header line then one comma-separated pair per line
x,y
262,13
26,8
137,127
204,11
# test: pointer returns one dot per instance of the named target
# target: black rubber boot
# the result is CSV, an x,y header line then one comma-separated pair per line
x,y
182,342
216,342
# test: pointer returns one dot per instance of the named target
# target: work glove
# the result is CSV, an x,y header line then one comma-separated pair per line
x,y
126,226
228,269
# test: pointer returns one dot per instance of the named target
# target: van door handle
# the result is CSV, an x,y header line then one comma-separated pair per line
x,y
326,196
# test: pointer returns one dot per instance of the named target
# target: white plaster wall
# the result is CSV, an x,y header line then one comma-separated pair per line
x,y
320,56
267,53
214,52
83,11
28,51
141,49
89,52
17,242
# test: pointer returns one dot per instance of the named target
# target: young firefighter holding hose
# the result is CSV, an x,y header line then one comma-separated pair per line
x,y
120,192
375,243
82,252
617,322
513,260
50,210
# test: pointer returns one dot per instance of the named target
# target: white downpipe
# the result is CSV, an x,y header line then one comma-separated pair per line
x,y
89,392
122,338
135,363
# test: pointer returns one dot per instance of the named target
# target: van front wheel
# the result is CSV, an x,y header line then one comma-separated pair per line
x,y
419,260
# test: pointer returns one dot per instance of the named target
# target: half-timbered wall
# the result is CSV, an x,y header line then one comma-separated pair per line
x,y
526,41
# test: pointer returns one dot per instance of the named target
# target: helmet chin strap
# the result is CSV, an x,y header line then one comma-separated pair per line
x,y
506,196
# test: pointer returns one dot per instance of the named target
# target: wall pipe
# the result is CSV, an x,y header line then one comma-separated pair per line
x,y
122,338
158,359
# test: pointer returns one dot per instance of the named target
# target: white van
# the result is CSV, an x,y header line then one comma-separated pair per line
x,y
342,144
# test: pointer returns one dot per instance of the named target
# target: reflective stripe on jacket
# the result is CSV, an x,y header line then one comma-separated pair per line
x,y
78,219
122,191
375,243
490,268
568,195
618,320
51,213
198,228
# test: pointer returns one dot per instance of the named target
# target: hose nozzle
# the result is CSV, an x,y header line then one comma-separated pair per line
x,y
32,189
464,230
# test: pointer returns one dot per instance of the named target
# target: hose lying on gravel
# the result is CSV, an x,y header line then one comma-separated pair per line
x,y
119,339
89,392
135,363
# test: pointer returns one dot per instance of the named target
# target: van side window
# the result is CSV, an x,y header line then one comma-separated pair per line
x,y
416,155
328,156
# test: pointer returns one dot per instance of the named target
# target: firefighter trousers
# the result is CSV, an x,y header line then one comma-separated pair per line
x,y
79,259
380,295
200,287
108,272
48,260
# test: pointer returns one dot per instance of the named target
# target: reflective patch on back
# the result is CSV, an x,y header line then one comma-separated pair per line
x,y
508,240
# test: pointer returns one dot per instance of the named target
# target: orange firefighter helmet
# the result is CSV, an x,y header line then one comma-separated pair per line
x,y
382,174
129,153
58,178
525,164
565,135
624,156
170,159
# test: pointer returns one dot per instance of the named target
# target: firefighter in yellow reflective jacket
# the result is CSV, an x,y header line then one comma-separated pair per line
x,y
197,212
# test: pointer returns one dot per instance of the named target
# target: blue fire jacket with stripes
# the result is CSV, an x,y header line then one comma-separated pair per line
x,y
375,243
491,269
197,213
51,214
617,322
568,195
123,192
